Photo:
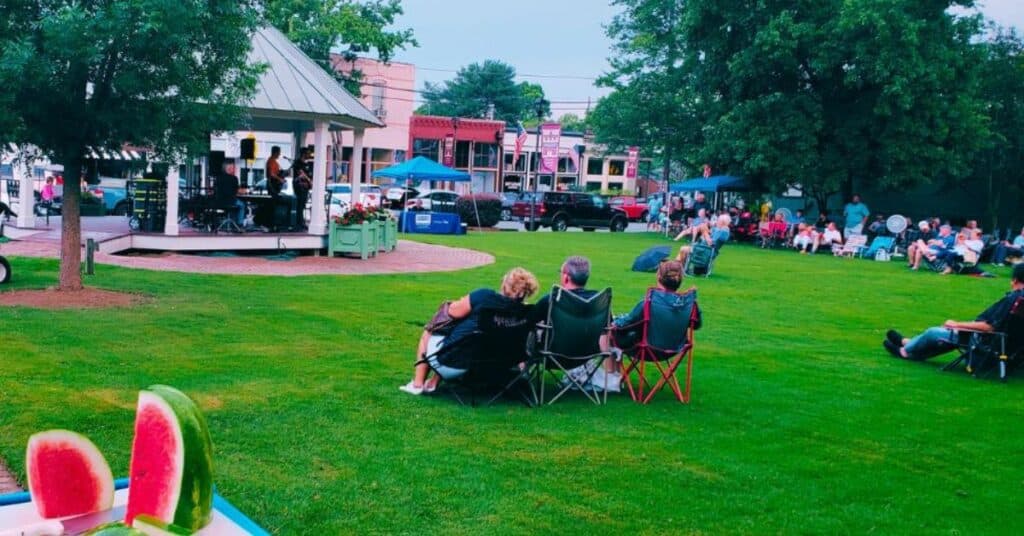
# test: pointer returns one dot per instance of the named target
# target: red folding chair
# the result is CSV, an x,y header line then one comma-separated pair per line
x,y
665,341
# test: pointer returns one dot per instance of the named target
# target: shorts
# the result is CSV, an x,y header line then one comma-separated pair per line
x,y
435,343
803,241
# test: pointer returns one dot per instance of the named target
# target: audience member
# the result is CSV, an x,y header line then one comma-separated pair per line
x,y
457,320
715,236
931,249
939,340
1007,249
574,276
804,239
830,238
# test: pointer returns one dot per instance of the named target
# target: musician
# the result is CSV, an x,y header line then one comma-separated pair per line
x,y
226,192
276,186
302,183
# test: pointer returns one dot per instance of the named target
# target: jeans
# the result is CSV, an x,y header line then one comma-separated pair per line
x,y
933,342
239,212
1003,251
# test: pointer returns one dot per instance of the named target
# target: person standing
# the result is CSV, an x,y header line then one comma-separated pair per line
x,y
855,215
276,186
302,183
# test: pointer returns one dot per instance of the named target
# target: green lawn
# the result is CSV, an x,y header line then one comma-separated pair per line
x,y
800,423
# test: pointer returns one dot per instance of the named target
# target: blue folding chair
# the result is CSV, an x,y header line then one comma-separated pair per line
x,y
886,243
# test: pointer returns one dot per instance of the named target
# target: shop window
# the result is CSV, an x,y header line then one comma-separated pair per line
x,y
615,186
616,168
593,187
485,155
462,154
427,148
399,156
595,166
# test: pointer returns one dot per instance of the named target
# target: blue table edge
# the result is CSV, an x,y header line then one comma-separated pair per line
x,y
219,503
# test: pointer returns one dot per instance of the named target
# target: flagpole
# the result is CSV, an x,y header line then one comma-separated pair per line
x,y
539,108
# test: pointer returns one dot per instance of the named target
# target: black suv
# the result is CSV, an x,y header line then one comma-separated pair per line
x,y
561,210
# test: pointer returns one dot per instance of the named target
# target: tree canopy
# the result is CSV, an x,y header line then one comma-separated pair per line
x,y
351,27
482,89
827,94
155,73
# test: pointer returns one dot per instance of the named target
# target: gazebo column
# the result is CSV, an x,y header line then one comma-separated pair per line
x,y
26,197
317,217
171,216
356,166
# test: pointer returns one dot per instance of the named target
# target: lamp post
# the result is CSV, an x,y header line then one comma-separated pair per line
x,y
539,109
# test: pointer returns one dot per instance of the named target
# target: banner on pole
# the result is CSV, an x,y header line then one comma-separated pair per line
x,y
550,137
448,152
632,161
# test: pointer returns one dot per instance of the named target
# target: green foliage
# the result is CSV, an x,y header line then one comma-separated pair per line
x,y
822,94
800,423
573,123
478,87
488,205
356,27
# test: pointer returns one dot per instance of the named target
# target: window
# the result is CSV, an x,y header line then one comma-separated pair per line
x,y
483,181
595,166
485,155
593,186
599,201
616,168
427,148
462,154
615,186
377,98
399,156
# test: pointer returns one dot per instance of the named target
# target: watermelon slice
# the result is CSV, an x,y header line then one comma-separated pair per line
x,y
67,475
154,527
114,529
170,478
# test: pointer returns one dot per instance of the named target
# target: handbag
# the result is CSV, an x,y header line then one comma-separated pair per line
x,y
441,321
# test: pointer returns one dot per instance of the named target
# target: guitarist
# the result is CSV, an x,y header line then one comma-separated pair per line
x,y
276,185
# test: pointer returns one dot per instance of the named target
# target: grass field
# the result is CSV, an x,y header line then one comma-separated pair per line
x,y
800,423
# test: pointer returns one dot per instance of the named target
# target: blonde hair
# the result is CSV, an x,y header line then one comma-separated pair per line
x,y
519,284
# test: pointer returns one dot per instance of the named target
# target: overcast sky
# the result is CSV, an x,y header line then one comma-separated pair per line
x,y
560,44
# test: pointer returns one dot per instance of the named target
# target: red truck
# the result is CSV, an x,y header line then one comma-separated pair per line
x,y
636,210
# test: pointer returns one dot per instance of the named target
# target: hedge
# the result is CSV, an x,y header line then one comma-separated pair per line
x,y
489,206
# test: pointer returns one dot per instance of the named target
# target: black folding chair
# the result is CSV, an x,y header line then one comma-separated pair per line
x,y
499,362
981,351
570,340
701,260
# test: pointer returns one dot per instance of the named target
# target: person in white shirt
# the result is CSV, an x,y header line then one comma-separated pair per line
x,y
830,237
1009,249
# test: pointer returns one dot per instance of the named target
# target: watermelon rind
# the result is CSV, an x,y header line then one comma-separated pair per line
x,y
114,529
100,469
194,473
151,526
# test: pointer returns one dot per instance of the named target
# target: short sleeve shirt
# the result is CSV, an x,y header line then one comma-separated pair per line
x,y
479,300
997,314
855,214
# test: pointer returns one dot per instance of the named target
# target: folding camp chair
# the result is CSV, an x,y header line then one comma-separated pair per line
x,y
701,260
880,243
499,364
570,342
981,351
665,340
854,244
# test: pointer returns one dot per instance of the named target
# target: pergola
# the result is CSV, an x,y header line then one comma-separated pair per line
x,y
296,95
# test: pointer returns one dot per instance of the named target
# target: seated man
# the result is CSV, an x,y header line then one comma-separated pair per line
x,y
939,340
831,238
1007,249
695,225
574,276
226,192
457,320
930,249
666,304
716,237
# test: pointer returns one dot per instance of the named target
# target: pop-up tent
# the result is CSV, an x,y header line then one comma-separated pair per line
x,y
718,183
422,168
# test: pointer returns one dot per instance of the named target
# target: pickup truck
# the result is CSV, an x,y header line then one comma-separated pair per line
x,y
561,210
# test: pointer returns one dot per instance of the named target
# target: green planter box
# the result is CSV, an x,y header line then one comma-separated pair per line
x,y
90,209
387,235
361,239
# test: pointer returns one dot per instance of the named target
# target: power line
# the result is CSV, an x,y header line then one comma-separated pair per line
x,y
521,75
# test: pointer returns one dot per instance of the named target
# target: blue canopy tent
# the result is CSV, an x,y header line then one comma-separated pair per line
x,y
422,168
718,183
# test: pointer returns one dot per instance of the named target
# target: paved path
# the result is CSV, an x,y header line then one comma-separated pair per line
x,y
409,257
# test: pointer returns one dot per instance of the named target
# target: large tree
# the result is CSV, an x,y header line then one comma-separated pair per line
x,y
351,27
485,89
153,73
827,94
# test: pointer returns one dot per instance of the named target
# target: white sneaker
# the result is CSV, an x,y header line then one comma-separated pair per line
x,y
411,389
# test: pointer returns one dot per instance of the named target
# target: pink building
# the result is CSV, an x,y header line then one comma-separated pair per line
x,y
389,91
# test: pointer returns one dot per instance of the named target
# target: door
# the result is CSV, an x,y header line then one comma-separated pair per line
x,y
583,212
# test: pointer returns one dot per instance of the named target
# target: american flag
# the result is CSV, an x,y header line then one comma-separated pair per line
x,y
520,141
574,156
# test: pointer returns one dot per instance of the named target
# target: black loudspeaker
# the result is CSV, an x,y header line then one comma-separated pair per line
x,y
247,148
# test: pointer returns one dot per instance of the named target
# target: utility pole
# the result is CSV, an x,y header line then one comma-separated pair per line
x,y
539,108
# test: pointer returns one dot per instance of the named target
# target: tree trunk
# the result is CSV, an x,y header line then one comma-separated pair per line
x,y
666,170
71,224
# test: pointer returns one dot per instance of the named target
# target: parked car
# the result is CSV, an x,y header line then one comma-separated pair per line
x,y
561,210
508,200
114,193
636,209
287,190
369,194
434,201
398,196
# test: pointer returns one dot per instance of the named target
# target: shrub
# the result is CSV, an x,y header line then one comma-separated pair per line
x,y
489,206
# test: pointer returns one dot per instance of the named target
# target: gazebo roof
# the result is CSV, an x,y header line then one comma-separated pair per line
x,y
294,87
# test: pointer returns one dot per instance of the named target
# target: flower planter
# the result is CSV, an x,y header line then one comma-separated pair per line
x,y
388,235
361,239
